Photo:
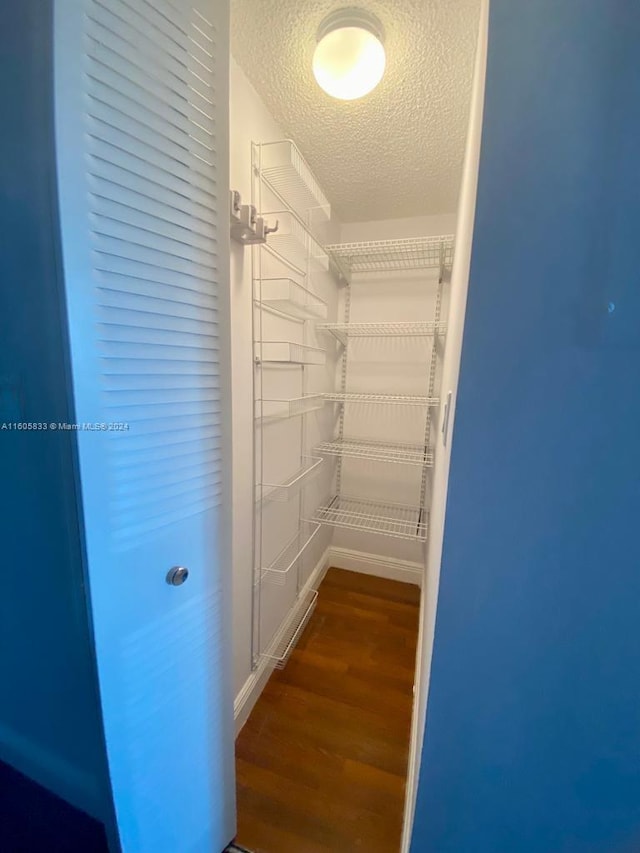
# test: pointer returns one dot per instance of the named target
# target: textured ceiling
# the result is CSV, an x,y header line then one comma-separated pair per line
x,y
397,151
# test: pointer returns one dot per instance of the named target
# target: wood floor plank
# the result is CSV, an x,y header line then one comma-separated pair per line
x,y
369,585
316,815
321,762
313,734
296,704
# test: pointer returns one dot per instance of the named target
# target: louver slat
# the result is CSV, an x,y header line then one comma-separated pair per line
x,y
151,146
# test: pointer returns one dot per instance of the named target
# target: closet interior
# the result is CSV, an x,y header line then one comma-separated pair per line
x,y
348,340
340,327
348,346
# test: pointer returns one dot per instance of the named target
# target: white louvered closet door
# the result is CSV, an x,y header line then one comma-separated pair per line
x,y
141,112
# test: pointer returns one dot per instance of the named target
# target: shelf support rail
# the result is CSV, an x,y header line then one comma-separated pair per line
x,y
431,390
344,366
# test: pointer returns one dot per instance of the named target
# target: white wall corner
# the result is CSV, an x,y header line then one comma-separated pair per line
x,y
451,368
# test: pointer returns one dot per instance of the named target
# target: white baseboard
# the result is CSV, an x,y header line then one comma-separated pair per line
x,y
379,567
254,685
250,692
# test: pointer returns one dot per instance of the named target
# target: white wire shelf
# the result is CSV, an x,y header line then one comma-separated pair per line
x,y
389,255
289,635
286,171
292,298
288,352
387,399
293,243
344,331
291,487
278,570
275,410
396,520
378,451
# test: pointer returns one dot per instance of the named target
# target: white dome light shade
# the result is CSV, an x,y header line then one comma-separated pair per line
x,y
349,59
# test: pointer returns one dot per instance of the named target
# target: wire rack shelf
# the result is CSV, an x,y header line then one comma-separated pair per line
x,y
344,331
396,520
278,570
289,352
291,487
377,451
288,636
285,170
293,243
292,298
386,399
275,410
391,255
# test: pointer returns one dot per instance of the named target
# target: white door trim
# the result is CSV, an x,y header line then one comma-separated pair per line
x,y
450,373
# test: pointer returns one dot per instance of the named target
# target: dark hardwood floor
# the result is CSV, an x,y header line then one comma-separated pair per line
x,y
321,762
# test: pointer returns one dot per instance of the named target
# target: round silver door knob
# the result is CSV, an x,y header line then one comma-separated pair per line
x,y
177,575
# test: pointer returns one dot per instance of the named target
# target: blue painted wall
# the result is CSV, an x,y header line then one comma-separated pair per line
x,y
50,727
533,730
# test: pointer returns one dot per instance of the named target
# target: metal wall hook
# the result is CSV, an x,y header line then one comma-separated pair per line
x,y
246,226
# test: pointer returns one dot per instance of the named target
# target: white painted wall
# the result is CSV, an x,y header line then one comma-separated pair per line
x,y
395,229
451,370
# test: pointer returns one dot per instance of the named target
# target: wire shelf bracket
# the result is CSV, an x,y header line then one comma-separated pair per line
x,y
294,244
280,650
274,410
384,399
291,487
292,298
288,352
279,569
393,255
343,331
287,174
398,521
377,451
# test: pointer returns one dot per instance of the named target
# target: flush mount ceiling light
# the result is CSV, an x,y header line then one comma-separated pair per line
x,y
349,59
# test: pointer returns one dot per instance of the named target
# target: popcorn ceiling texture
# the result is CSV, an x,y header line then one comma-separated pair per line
x,y
396,152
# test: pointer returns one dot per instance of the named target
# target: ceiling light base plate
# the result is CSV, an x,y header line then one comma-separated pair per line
x,y
351,17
